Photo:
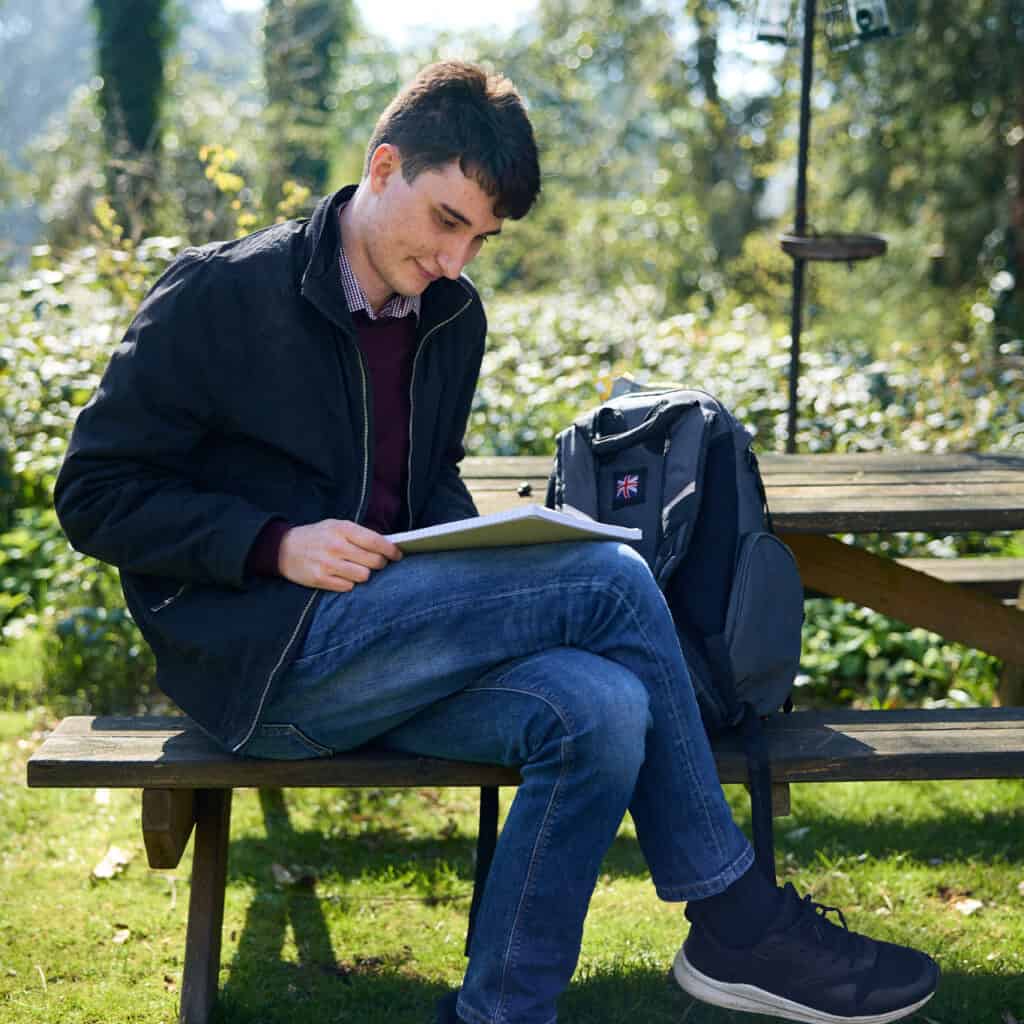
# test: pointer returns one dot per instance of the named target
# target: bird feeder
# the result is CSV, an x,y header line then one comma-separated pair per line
x,y
848,23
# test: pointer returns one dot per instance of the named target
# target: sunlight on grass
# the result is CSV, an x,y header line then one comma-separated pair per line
x,y
369,923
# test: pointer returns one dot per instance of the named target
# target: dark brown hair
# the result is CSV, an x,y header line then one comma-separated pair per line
x,y
457,111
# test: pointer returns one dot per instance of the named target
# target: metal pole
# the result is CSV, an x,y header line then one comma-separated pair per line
x,y
800,229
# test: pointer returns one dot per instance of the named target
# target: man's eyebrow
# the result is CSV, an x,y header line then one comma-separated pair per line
x,y
452,212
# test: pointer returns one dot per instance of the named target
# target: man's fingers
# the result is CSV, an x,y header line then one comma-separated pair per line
x,y
361,537
348,553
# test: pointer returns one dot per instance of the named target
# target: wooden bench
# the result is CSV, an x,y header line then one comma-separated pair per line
x,y
187,782
1000,577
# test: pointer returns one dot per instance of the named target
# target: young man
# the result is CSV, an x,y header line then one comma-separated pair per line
x,y
282,402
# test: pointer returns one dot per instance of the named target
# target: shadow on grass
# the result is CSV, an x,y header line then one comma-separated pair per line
x,y
371,992
378,851
358,986
321,986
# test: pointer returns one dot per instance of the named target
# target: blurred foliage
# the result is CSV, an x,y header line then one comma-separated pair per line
x,y
303,45
653,250
131,49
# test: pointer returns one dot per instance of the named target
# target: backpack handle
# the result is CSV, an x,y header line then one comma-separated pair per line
x,y
660,418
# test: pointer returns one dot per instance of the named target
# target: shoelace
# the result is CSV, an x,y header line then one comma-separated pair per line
x,y
841,941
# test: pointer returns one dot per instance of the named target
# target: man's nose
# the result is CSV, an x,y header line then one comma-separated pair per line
x,y
452,258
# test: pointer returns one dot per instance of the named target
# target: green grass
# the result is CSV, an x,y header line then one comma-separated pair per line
x,y
372,930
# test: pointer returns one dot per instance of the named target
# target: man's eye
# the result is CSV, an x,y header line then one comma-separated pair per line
x,y
448,223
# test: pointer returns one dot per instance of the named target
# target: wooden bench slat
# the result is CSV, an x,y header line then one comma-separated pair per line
x,y
832,493
822,746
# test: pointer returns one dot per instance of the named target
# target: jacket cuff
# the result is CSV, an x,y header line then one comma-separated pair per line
x,y
262,557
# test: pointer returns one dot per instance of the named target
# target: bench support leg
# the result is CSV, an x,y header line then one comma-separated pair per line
x,y
206,905
1011,683
486,841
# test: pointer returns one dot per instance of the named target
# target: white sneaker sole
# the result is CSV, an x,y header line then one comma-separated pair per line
x,y
752,999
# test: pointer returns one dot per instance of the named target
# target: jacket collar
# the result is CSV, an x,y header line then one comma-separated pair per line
x,y
321,278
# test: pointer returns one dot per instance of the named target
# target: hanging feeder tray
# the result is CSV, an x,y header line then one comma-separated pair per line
x,y
835,248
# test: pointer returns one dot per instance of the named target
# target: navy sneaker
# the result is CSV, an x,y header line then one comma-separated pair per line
x,y
806,968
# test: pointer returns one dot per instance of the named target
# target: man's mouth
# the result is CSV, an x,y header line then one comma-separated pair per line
x,y
426,273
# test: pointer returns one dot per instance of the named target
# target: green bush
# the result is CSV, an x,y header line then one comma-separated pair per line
x,y
548,355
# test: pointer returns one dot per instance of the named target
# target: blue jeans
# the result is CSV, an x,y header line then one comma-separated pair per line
x,y
561,659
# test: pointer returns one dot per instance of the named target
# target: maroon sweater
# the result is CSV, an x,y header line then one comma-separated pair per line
x,y
388,346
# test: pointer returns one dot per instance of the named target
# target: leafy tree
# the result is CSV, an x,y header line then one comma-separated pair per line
x,y
931,127
132,41
303,42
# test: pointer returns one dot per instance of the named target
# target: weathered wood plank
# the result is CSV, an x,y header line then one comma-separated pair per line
x,y
206,906
1011,681
1001,577
167,819
970,617
852,464
834,746
857,493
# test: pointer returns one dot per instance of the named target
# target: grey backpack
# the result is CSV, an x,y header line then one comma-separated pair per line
x,y
678,465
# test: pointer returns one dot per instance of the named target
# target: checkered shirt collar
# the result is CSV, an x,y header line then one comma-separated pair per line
x,y
398,306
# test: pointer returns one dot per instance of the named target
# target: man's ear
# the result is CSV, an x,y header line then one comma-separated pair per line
x,y
385,161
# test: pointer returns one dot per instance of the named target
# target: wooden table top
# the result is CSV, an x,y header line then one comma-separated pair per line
x,y
855,493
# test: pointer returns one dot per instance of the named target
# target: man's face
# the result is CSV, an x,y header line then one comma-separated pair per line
x,y
418,232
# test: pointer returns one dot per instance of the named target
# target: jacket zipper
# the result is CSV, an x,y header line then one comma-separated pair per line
x,y
170,600
273,672
366,434
315,594
412,390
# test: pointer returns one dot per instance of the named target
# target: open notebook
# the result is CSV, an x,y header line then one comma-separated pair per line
x,y
530,524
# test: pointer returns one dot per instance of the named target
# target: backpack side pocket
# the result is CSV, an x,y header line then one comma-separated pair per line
x,y
764,620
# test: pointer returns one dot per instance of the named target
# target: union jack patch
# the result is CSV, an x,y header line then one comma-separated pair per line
x,y
630,487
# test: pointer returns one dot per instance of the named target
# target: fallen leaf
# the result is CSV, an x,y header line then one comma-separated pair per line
x,y
170,982
294,875
281,874
1020,888
121,936
883,911
968,906
102,797
113,863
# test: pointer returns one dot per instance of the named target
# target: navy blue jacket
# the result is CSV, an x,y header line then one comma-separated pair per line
x,y
238,395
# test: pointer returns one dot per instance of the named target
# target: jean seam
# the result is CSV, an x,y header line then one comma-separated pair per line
x,y
475,600
512,949
565,759
292,728
670,695
468,1014
712,886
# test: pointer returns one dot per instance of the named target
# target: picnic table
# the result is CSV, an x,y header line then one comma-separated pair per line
x,y
814,497
187,782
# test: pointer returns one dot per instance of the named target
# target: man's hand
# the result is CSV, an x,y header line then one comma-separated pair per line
x,y
334,554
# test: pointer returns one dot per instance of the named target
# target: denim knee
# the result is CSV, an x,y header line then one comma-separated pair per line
x,y
611,716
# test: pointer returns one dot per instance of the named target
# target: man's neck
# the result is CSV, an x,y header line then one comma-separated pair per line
x,y
355,253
